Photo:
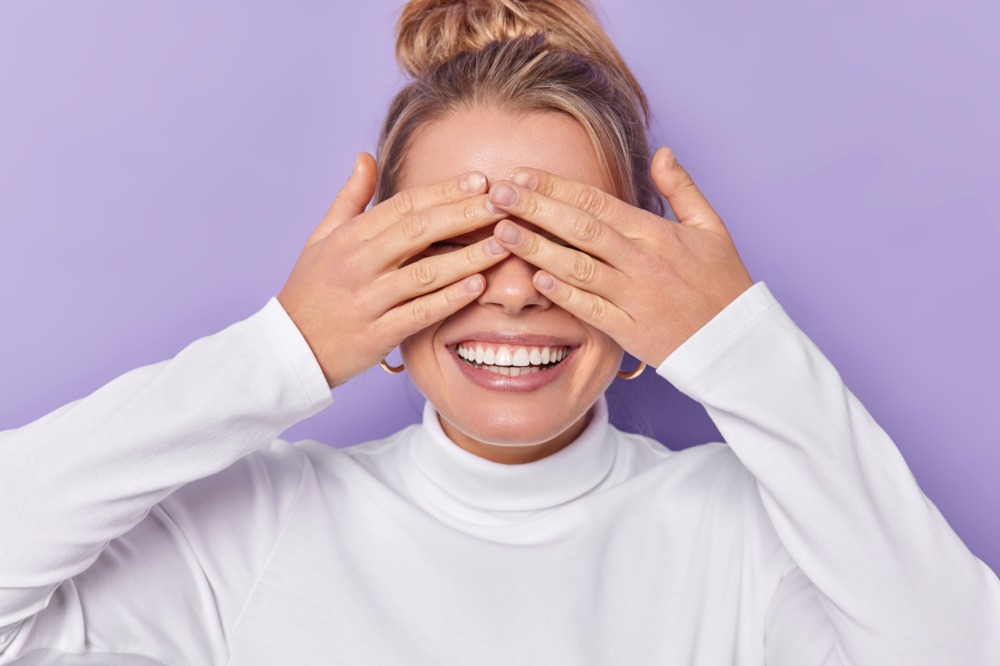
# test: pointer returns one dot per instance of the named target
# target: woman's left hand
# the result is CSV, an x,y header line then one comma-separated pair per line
x,y
646,281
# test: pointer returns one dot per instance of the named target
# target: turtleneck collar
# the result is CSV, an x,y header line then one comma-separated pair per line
x,y
485,485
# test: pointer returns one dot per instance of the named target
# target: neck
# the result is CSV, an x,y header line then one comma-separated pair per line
x,y
515,454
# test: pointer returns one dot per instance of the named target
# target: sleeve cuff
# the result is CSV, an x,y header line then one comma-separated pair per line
x,y
296,354
698,351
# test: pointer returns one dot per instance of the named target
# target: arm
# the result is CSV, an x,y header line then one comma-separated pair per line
x,y
79,479
895,581
89,472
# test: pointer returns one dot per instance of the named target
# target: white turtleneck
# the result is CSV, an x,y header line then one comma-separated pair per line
x,y
159,521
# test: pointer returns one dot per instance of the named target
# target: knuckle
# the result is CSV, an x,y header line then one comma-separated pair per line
x,y
583,269
596,311
471,257
422,274
454,297
473,210
686,183
445,191
420,312
547,187
414,226
585,228
403,203
592,200
529,206
532,244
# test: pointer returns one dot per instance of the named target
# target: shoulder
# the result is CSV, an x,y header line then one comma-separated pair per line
x,y
258,490
711,463
702,496
266,483
703,478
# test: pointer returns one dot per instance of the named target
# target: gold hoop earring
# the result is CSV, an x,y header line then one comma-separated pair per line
x,y
635,373
392,369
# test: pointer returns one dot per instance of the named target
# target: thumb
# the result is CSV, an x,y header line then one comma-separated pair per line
x,y
684,197
352,198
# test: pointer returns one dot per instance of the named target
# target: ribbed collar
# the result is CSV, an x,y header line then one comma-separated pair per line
x,y
490,486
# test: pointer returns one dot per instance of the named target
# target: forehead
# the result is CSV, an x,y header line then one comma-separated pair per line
x,y
496,142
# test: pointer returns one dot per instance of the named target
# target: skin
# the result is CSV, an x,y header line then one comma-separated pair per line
x,y
565,257
508,426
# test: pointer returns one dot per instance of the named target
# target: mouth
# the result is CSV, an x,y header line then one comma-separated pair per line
x,y
511,360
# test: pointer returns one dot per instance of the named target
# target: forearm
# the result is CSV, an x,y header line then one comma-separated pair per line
x,y
894,579
87,473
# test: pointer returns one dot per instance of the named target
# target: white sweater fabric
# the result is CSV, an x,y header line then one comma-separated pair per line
x,y
159,521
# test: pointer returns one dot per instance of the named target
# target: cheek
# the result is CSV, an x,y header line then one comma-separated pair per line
x,y
418,349
411,347
606,344
609,357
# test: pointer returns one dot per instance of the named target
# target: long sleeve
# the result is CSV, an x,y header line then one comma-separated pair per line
x,y
895,582
89,472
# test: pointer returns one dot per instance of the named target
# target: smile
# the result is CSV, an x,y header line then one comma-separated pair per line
x,y
512,361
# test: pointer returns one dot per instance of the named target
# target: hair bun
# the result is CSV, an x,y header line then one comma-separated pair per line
x,y
430,32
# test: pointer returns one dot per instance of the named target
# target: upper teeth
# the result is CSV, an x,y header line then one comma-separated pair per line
x,y
506,355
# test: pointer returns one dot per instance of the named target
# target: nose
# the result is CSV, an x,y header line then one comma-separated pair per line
x,y
509,288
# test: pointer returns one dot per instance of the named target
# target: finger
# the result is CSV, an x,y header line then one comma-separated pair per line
x,y
578,227
409,202
588,198
568,264
352,198
413,316
420,229
599,312
684,197
432,273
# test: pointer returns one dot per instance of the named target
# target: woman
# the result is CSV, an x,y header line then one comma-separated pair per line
x,y
512,255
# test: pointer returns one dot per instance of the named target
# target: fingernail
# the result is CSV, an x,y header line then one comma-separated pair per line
x,y
357,165
508,233
472,182
503,195
474,284
494,248
524,179
544,281
669,159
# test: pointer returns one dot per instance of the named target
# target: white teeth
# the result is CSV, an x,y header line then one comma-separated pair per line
x,y
521,357
511,371
504,356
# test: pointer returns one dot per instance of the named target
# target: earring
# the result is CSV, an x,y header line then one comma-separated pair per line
x,y
635,373
392,369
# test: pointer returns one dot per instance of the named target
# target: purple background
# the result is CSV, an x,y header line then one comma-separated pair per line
x,y
161,165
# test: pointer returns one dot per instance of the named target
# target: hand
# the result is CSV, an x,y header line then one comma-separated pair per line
x,y
354,293
647,282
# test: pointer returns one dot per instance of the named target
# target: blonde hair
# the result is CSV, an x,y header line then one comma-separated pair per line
x,y
521,56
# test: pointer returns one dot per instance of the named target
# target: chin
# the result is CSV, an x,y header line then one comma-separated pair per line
x,y
514,428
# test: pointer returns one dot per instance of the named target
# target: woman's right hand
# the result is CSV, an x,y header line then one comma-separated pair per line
x,y
354,295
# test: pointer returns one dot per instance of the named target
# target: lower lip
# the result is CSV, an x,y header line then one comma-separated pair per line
x,y
520,384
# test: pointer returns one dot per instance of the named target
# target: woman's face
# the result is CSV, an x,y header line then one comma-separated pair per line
x,y
507,413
